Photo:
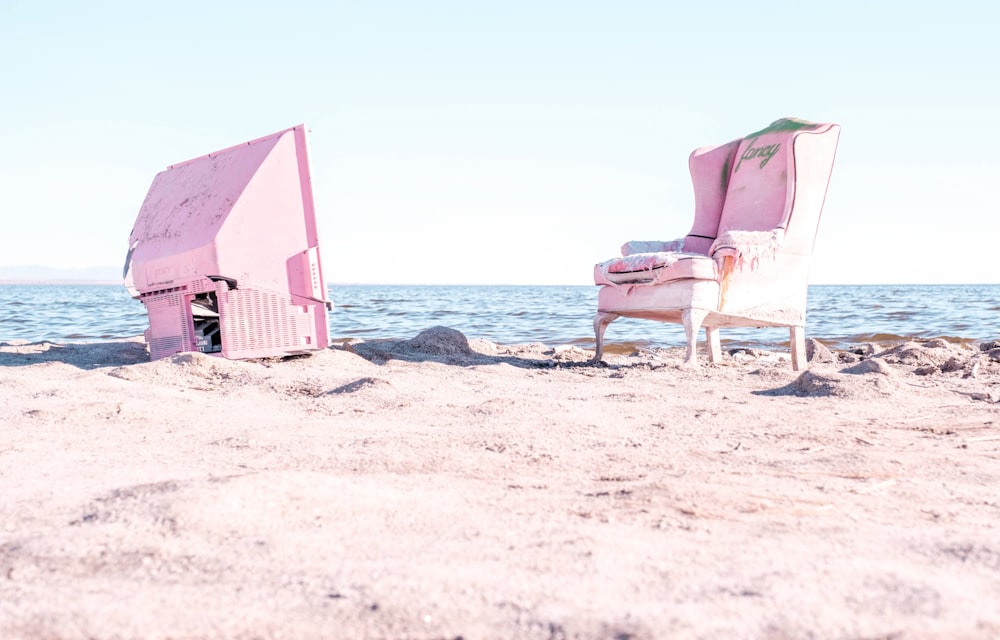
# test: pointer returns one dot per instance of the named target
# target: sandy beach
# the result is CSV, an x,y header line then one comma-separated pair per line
x,y
448,488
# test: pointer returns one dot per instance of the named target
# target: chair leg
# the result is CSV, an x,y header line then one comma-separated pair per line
x,y
601,322
714,345
692,319
797,339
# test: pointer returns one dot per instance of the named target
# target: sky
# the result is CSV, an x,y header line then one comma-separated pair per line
x,y
513,142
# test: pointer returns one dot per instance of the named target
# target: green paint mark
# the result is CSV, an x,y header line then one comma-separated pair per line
x,y
784,124
725,175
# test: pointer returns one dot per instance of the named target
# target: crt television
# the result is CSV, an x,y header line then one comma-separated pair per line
x,y
225,257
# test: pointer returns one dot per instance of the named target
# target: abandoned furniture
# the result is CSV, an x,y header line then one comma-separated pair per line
x,y
225,257
745,262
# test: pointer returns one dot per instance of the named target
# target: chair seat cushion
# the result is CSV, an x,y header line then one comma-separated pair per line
x,y
663,266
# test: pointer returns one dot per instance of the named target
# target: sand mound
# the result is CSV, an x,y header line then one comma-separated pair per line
x,y
441,344
932,357
335,361
871,378
933,352
190,369
871,366
441,341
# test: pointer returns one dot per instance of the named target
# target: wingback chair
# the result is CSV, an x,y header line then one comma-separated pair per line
x,y
745,262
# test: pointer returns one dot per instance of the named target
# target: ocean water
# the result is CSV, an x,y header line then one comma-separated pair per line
x,y
840,316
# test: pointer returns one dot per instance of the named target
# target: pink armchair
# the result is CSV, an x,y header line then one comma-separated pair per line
x,y
745,262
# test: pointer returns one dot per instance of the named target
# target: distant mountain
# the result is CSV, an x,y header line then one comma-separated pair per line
x,y
34,273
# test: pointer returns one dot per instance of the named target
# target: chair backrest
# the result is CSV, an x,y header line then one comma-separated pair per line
x,y
779,170
710,170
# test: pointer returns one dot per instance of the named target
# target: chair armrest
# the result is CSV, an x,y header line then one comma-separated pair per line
x,y
652,246
747,248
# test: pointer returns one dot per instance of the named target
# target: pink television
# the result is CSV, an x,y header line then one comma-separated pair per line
x,y
225,257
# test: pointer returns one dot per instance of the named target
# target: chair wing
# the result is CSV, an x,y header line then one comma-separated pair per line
x,y
745,262
710,170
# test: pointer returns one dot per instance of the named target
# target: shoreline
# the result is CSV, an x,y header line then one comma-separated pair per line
x,y
840,318
862,347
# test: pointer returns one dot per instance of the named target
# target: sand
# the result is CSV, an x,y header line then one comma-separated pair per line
x,y
450,488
